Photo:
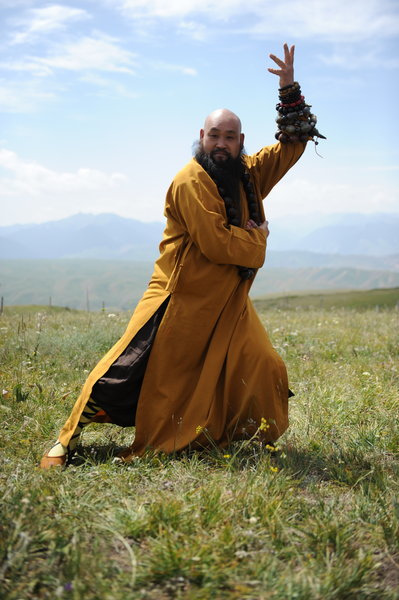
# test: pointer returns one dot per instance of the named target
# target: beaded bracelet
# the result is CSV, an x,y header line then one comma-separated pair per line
x,y
295,120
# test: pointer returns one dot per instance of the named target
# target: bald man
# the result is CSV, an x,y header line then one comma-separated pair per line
x,y
195,365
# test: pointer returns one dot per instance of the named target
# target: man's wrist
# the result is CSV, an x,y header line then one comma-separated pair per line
x,y
285,83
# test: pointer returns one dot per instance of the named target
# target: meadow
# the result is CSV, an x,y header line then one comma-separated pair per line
x,y
316,519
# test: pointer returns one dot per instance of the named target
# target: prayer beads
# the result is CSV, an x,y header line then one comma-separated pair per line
x,y
295,120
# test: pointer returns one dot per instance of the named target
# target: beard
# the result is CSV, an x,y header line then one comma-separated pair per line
x,y
221,170
226,173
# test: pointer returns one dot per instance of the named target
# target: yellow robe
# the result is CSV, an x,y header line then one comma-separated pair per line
x,y
211,365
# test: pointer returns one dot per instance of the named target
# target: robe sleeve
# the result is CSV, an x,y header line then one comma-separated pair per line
x,y
199,210
271,163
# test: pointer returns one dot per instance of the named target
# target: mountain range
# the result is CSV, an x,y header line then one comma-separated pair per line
x,y
109,236
118,284
93,261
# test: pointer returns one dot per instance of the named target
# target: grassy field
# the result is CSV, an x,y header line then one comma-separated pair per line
x,y
319,519
353,299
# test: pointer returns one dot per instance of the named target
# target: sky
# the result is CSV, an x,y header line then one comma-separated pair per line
x,y
101,100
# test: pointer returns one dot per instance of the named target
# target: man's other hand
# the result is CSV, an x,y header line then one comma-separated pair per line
x,y
252,225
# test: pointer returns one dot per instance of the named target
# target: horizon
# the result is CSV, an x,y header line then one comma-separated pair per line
x,y
101,102
292,216
337,233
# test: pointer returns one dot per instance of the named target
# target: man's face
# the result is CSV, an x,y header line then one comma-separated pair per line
x,y
221,138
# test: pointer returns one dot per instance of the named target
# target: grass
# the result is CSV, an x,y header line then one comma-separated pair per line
x,y
357,299
317,520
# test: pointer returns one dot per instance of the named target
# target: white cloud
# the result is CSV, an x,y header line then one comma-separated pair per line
x,y
164,8
348,58
29,186
306,197
177,68
34,179
41,21
108,86
322,19
331,21
22,97
194,30
99,53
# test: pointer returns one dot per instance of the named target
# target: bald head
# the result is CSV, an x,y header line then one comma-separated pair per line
x,y
222,117
221,136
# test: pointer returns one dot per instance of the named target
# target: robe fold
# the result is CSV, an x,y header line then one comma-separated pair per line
x,y
211,372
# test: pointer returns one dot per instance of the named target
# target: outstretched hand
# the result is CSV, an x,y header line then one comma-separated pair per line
x,y
286,70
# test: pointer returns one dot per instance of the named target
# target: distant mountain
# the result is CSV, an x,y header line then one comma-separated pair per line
x,y
299,259
287,280
372,234
83,236
108,236
366,234
118,284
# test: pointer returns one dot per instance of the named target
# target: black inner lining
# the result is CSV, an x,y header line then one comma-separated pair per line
x,y
117,392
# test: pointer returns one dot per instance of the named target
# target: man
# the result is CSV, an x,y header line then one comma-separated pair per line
x,y
195,362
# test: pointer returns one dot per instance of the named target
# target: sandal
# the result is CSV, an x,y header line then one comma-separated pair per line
x,y
52,461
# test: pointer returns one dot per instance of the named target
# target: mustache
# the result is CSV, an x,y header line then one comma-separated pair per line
x,y
224,152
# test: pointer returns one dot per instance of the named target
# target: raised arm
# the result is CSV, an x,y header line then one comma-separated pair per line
x,y
295,120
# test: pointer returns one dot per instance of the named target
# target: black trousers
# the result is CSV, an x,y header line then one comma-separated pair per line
x,y
118,390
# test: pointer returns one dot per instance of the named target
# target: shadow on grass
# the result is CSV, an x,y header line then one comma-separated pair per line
x,y
348,467
95,454
309,466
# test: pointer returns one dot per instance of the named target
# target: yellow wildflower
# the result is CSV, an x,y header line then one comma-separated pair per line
x,y
226,455
199,429
274,469
264,425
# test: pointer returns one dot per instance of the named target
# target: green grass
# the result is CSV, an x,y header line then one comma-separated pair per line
x,y
317,520
358,299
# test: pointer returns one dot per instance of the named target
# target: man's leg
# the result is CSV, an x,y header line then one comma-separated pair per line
x,y
115,395
57,455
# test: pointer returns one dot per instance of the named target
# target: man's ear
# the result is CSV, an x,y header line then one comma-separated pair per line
x,y
242,136
201,134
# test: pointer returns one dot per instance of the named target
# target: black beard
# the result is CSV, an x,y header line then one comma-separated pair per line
x,y
225,173
221,171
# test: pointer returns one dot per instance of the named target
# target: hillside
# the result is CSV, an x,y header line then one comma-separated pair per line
x,y
120,284
83,236
109,236
355,234
353,299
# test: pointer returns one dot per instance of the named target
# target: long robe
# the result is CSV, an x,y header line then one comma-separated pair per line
x,y
212,372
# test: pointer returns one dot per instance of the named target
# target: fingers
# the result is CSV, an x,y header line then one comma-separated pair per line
x,y
250,224
265,227
277,60
289,54
286,71
288,57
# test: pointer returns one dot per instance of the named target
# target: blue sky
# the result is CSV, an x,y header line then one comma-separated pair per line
x,y
101,100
